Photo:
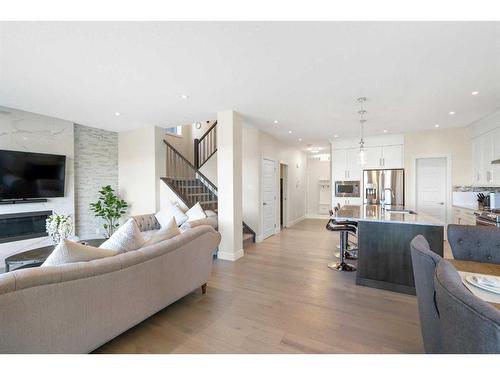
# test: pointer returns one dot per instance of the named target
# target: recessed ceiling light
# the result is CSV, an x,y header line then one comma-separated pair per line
x,y
436,126
300,139
117,113
385,130
335,136
275,121
475,92
452,112
184,96
290,132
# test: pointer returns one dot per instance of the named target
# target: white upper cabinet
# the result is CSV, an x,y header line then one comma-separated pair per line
x,y
353,164
485,149
373,158
339,165
477,157
384,157
392,157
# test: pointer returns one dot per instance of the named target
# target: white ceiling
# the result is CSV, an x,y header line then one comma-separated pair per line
x,y
307,75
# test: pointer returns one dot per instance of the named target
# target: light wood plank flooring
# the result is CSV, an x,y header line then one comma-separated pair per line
x,y
281,298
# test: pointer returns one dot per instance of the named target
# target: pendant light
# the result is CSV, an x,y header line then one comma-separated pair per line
x,y
362,112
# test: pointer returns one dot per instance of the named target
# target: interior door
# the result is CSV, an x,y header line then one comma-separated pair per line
x,y
431,187
268,197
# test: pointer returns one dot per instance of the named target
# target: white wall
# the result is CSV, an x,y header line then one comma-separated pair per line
x,y
258,145
138,170
25,131
453,143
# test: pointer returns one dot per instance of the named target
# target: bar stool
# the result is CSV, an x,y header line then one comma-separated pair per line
x,y
352,246
344,228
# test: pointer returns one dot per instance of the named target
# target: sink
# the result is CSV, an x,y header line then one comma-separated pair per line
x,y
401,211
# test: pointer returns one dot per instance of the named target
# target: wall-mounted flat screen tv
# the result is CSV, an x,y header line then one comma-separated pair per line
x,y
25,175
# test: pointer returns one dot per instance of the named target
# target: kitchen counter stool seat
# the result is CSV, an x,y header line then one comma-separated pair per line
x,y
344,227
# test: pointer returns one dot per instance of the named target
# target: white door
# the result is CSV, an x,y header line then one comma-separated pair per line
x,y
268,197
431,187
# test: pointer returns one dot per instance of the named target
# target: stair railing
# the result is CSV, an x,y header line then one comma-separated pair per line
x,y
206,146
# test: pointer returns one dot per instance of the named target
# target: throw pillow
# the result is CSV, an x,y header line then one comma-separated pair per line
x,y
165,233
126,238
69,252
210,220
171,209
196,213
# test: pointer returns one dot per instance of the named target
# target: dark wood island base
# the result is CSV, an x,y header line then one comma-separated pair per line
x,y
384,253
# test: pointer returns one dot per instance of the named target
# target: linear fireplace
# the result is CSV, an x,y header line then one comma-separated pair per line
x,y
23,225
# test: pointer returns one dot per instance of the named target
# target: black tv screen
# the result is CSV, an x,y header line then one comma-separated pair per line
x,y
25,175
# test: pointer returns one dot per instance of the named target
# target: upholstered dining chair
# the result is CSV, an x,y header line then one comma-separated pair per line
x,y
424,262
475,243
468,324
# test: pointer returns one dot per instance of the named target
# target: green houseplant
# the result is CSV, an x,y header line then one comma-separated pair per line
x,y
110,208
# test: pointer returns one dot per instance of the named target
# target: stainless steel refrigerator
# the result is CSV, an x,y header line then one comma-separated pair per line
x,y
384,186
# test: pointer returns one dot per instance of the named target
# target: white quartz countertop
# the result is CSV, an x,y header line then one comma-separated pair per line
x,y
375,213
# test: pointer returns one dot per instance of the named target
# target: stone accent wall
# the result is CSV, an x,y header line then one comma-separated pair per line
x,y
96,165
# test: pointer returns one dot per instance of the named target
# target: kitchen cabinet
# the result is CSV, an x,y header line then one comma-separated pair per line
x,y
347,201
485,148
345,165
392,157
386,157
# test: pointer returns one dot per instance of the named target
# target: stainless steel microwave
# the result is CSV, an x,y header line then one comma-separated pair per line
x,y
347,188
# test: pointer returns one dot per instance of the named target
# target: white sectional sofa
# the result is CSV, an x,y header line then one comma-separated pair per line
x,y
77,307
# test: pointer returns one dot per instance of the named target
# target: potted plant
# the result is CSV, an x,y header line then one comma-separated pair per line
x,y
59,227
110,208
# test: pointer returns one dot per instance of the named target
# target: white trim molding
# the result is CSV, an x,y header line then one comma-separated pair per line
x,y
295,221
230,255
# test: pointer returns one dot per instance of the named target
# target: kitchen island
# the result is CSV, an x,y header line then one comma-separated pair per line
x,y
384,237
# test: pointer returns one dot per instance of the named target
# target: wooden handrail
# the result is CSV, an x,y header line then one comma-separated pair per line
x,y
208,131
180,155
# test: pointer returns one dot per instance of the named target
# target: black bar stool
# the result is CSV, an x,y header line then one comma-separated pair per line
x,y
344,227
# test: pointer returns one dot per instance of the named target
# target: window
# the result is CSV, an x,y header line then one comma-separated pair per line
x,y
176,130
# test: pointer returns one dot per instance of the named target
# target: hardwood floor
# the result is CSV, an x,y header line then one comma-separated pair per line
x,y
281,298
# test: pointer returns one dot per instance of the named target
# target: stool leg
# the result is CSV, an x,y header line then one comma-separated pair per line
x,y
342,265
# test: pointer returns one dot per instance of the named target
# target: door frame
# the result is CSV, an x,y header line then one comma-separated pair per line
x,y
448,184
285,196
276,187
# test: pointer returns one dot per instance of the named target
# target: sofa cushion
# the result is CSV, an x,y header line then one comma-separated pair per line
x,y
70,252
171,209
165,233
210,220
127,238
196,212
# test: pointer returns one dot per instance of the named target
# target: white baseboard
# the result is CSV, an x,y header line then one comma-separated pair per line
x,y
230,255
317,216
259,238
293,222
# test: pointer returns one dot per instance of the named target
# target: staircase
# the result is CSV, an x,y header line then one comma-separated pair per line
x,y
189,184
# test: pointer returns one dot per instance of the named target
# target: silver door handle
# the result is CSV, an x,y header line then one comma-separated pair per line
x,y
441,203
264,204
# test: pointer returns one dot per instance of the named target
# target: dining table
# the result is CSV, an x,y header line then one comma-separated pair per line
x,y
477,267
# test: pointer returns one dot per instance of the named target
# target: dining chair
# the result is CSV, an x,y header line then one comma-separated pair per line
x,y
424,262
475,243
468,324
